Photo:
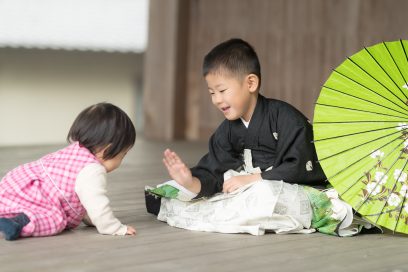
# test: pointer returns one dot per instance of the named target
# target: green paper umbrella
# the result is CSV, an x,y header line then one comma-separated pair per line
x,y
361,133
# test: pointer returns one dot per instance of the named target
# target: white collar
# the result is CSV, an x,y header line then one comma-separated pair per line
x,y
246,124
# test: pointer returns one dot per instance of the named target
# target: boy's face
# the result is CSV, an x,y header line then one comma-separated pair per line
x,y
234,97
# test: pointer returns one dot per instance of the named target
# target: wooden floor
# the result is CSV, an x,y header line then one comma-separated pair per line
x,y
159,247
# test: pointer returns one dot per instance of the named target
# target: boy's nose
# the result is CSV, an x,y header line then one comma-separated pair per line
x,y
216,98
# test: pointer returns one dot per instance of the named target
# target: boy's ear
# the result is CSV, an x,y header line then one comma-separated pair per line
x,y
253,82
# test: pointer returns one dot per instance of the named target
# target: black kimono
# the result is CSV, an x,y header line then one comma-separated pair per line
x,y
278,135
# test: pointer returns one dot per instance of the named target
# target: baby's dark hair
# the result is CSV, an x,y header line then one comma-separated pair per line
x,y
235,56
101,125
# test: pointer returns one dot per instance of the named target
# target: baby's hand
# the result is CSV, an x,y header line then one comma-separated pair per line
x,y
130,230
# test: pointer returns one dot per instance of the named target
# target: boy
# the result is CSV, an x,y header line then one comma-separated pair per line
x,y
278,136
257,157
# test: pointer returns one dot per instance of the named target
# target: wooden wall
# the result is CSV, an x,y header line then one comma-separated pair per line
x,y
298,42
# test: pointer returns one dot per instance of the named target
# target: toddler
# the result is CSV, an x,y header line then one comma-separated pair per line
x,y
61,189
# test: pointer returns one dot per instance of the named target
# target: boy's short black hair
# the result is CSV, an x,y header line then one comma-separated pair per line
x,y
101,125
235,56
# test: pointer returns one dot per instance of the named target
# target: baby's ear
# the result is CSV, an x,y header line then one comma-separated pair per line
x,y
100,152
253,82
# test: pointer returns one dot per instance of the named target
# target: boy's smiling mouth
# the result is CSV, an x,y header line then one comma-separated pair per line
x,y
224,109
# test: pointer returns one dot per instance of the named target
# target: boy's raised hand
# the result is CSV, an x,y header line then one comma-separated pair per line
x,y
177,168
179,171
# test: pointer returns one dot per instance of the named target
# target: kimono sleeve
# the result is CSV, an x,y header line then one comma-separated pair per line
x,y
296,160
220,158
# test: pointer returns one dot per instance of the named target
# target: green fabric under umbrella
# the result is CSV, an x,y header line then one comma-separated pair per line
x,y
361,133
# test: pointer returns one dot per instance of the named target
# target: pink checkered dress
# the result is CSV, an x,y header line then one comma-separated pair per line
x,y
45,191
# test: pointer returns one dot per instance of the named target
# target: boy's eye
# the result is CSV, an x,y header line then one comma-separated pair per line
x,y
221,91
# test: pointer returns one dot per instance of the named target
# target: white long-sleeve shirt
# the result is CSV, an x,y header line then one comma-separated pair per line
x,y
90,187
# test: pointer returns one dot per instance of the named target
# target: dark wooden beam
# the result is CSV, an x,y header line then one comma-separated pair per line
x,y
165,70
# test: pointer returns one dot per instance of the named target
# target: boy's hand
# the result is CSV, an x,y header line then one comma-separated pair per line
x,y
180,172
130,230
237,182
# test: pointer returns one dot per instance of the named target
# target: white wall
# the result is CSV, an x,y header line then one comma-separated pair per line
x,y
42,91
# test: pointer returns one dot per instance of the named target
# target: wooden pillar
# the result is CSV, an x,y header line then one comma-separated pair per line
x,y
165,70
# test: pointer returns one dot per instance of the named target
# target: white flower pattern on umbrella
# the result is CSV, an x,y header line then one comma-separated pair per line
x,y
394,200
377,154
373,188
380,177
404,190
406,208
399,175
402,126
